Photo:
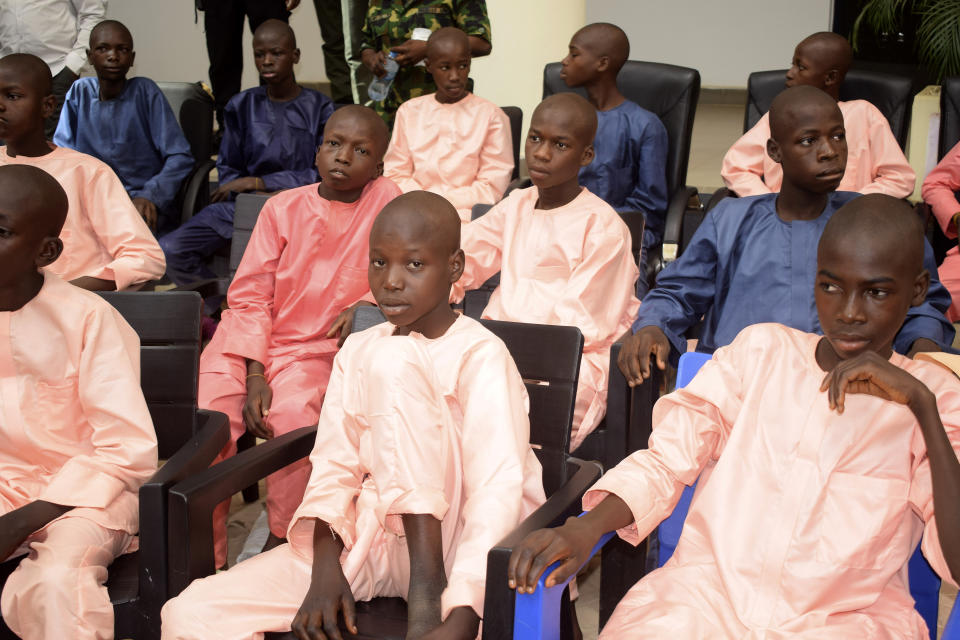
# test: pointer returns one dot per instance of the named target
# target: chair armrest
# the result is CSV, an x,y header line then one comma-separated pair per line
x,y
674,222
196,192
207,288
195,455
498,617
193,500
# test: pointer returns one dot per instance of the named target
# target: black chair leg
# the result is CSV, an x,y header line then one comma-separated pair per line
x,y
247,441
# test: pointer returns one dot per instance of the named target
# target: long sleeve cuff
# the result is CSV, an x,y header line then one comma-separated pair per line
x,y
462,591
301,531
77,484
76,61
128,271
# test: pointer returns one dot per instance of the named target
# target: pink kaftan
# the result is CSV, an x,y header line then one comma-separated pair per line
x,y
75,432
938,191
104,235
409,425
305,263
875,162
803,519
461,151
566,266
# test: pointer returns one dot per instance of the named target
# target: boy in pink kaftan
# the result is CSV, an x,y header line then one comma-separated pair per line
x,y
422,463
269,361
452,142
875,162
939,191
821,463
76,439
106,244
563,253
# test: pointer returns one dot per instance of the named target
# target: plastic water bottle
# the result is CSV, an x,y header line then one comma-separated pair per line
x,y
380,87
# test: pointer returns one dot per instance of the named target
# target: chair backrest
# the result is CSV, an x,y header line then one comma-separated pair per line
x,y
889,93
548,358
515,115
193,108
949,115
245,216
168,324
669,91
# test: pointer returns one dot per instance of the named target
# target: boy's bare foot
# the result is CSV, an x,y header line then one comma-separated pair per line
x,y
427,576
272,541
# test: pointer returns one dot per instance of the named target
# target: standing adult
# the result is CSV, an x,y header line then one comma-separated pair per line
x,y
57,32
330,16
223,23
403,26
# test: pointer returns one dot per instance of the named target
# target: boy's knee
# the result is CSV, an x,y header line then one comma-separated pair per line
x,y
182,617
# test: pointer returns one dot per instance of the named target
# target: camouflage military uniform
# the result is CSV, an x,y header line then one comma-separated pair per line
x,y
391,22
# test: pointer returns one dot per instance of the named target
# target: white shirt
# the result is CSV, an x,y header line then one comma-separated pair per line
x,y
57,31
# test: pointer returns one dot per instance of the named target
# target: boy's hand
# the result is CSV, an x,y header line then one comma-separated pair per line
x,y
329,593
410,52
571,544
461,624
257,407
147,210
921,345
240,185
870,374
343,325
634,359
374,60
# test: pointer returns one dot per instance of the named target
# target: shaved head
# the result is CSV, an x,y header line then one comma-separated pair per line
x,y
446,39
786,108
28,191
605,39
888,225
374,126
279,29
110,24
829,49
421,215
29,70
572,111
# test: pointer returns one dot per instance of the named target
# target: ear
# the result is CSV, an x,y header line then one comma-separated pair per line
x,y
920,286
379,169
773,150
47,106
89,61
50,250
457,259
296,56
133,57
603,64
832,78
587,156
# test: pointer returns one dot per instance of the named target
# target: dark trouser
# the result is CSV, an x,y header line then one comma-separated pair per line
x,y
330,17
189,246
61,84
223,22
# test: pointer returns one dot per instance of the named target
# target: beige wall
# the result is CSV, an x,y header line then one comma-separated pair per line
x,y
724,40
171,47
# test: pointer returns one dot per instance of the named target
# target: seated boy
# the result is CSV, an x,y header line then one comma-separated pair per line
x,y
939,191
631,143
76,439
821,461
271,134
563,253
129,125
451,142
422,462
269,361
752,260
106,244
875,162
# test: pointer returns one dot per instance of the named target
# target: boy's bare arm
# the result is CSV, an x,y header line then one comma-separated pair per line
x,y
94,284
570,544
871,374
16,525
329,591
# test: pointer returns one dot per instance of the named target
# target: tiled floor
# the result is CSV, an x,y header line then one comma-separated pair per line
x,y
716,127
